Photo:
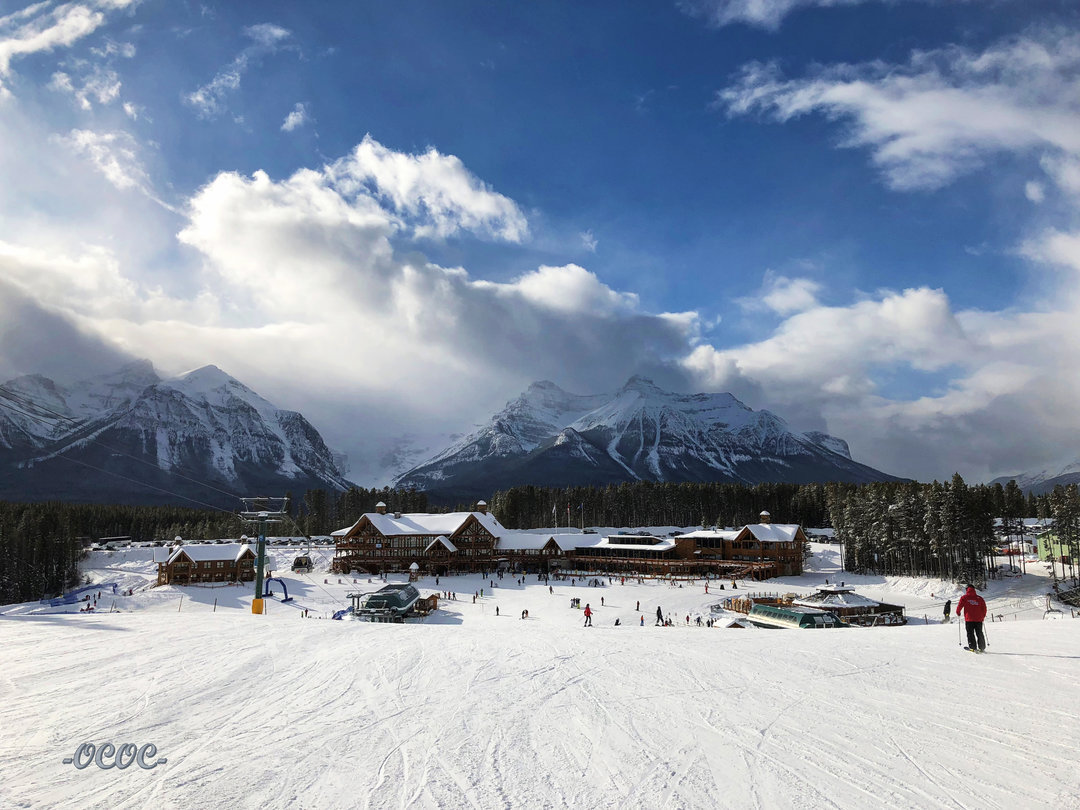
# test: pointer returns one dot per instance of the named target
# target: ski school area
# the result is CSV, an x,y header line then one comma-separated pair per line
x,y
473,705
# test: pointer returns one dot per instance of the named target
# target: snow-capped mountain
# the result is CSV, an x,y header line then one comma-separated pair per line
x,y
133,437
1044,481
549,437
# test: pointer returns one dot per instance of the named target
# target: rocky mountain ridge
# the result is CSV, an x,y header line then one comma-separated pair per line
x,y
133,437
550,437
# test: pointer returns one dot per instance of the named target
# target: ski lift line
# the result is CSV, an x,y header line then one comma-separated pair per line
x,y
128,455
15,397
150,486
25,402
10,407
121,452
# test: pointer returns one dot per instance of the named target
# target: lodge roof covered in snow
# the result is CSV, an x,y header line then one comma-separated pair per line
x,y
423,523
774,532
211,552
527,541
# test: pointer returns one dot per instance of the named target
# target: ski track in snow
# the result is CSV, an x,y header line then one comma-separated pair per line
x,y
472,711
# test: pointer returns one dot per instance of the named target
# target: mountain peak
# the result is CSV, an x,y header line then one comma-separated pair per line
x,y
641,432
542,386
208,373
639,382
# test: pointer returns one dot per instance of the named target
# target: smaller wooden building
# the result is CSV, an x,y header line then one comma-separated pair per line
x,y
207,562
852,607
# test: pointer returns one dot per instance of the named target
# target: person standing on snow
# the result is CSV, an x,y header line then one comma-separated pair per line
x,y
659,615
588,615
974,609
948,608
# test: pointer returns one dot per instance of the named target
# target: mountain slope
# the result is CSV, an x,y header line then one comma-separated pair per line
x,y
131,437
552,438
1044,481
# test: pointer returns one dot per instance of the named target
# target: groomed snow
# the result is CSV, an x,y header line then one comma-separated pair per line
x,y
473,710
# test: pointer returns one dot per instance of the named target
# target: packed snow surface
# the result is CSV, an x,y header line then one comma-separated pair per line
x,y
473,709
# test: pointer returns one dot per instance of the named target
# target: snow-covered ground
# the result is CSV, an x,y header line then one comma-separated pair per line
x,y
479,710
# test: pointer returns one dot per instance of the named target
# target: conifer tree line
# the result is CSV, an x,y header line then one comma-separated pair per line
x,y
645,503
943,530
1064,507
899,528
937,529
41,543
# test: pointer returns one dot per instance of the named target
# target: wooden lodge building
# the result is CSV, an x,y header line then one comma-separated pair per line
x,y
210,562
475,541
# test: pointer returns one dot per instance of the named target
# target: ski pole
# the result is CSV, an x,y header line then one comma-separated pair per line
x,y
959,634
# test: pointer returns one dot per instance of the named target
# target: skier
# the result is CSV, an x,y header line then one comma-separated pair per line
x,y
637,606
659,615
588,615
974,609
948,607
496,610
601,601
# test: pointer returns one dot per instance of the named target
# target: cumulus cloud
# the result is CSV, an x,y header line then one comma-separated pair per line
x,y
783,295
943,113
435,189
209,100
993,398
295,119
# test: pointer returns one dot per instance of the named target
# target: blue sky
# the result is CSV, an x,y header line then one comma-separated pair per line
x,y
861,214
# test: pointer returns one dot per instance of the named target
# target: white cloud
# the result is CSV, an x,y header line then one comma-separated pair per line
x,y
569,289
588,241
114,154
209,100
995,400
44,27
943,113
97,83
783,295
762,13
435,189
295,119
303,270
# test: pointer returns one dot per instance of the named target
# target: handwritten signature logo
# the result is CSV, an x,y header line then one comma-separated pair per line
x,y
109,756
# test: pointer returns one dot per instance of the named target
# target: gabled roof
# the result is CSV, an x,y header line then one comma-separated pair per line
x,y
227,552
440,539
424,523
773,532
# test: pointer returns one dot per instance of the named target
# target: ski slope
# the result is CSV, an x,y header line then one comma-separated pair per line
x,y
470,709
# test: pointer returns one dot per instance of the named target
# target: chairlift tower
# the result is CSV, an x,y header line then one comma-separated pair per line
x,y
261,512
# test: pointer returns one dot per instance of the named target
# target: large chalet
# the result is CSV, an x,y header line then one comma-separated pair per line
x,y
475,541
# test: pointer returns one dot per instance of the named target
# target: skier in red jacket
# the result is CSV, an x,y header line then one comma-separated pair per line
x,y
588,615
974,609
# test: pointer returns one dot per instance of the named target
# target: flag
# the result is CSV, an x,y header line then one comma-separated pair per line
x,y
553,510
